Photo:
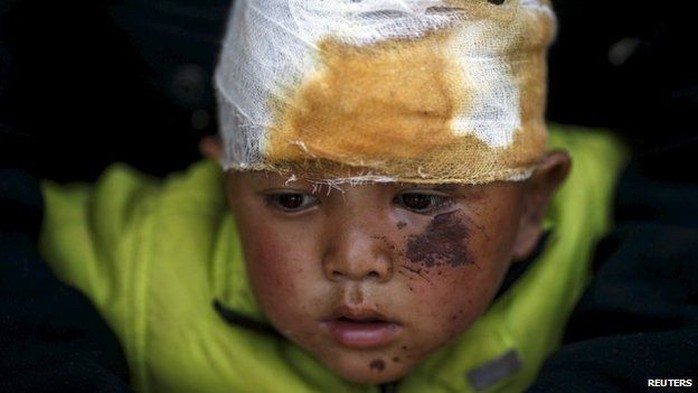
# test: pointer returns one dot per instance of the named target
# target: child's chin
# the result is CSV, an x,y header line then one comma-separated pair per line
x,y
372,378
371,372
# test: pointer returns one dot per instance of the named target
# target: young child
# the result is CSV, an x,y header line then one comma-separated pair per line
x,y
386,167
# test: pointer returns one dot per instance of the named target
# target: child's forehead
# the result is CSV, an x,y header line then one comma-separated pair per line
x,y
264,180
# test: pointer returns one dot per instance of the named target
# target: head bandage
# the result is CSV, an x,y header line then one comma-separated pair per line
x,y
427,91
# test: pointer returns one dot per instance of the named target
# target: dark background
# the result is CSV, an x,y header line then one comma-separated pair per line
x,y
87,82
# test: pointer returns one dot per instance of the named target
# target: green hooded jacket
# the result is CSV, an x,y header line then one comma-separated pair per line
x,y
156,257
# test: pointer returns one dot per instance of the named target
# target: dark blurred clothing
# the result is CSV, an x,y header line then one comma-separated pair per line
x,y
51,339
638,319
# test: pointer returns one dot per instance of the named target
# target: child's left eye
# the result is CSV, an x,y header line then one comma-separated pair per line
x,y
421,202
290,201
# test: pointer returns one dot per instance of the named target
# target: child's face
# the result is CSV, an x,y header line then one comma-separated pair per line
x,y
371,279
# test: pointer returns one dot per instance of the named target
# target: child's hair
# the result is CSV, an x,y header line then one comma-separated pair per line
x,y
434,91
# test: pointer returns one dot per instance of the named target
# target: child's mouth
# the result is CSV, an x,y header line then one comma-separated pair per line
x,y
361,329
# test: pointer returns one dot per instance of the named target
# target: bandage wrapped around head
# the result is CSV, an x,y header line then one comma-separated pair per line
x,y
425,91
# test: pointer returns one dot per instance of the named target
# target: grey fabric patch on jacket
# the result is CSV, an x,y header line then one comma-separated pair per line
x,y
497,370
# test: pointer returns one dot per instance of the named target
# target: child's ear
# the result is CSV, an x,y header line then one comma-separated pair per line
x,y
210,146
539,189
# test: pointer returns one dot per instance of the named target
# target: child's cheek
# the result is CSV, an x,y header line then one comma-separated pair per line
x,y
450,281
272,266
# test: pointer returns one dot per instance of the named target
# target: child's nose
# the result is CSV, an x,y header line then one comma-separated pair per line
x,y
356,255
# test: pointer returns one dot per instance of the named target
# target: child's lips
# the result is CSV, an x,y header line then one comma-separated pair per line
x,y
361,328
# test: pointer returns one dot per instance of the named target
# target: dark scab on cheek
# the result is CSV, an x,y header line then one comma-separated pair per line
x,y
442,242
377,365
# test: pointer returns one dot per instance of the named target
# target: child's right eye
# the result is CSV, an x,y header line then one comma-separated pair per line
x,y
421,202
290,201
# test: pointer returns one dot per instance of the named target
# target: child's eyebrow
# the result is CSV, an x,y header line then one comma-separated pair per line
x,y
447,187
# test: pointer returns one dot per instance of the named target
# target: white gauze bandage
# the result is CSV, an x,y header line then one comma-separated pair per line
x,y
385,90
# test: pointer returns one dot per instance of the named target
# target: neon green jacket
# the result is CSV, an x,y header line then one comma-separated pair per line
x,y
153,255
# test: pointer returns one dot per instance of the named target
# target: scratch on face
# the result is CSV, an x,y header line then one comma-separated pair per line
x,y
418,272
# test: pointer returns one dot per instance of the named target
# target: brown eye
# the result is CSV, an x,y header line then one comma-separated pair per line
x,y
420,202
290,201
